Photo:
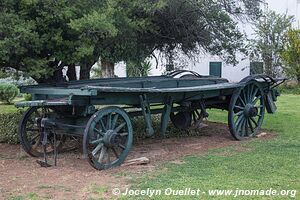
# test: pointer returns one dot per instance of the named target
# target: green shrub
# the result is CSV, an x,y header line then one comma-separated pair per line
x,y
8,92
27,97
289,89
9,127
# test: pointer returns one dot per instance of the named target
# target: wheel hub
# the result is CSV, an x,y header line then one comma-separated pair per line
x,y
250,111
111,138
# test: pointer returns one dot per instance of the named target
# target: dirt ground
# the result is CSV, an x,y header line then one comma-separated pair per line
x,y
74,178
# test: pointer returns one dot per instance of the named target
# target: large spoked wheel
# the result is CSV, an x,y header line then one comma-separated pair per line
x,y
246,111
108,138
30,129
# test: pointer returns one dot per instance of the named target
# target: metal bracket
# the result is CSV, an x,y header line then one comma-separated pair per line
x,y
44,123
147,115
203,110
165,117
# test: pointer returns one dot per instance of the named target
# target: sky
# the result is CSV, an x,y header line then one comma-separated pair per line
x,y
292,7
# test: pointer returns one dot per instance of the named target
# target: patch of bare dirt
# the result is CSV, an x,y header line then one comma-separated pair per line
x,y
74,178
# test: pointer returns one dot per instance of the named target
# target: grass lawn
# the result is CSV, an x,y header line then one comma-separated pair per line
x,y
265,164
5,108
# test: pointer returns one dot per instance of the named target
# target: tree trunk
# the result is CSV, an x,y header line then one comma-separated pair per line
x,y
107,69
85,69
71,73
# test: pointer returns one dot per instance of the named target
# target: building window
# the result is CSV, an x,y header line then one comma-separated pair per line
x,y
256,68
215,69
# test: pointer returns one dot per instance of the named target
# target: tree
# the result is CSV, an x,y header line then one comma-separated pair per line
x,y
138,68
40,37
36,38
291,54
166,25
270,30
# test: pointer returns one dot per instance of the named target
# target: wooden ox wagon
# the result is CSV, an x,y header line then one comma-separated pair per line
x,y
70,109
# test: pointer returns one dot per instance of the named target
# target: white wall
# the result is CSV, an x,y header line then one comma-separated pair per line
x,y
120,69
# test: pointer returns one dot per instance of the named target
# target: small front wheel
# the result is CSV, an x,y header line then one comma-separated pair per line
x,y
107,138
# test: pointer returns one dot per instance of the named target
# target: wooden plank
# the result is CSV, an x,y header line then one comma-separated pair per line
x,y
58,91
163,90
137,161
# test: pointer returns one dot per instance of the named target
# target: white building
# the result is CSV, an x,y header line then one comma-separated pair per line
x,y
214,65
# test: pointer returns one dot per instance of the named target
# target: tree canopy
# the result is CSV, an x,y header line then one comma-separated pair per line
x,y
291,54
270,31
39,37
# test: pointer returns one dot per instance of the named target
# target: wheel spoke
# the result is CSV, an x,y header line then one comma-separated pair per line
x,y
251,118
36,144
239,119
99,132
197,112
240,127
250,125
103,154
123,134
242,101
122,146
256,99
239,124
251,92
254,94
96,141
108,121
115,152
36,136
246,127
120,127
114,122
243,128
244,95
108,156
194,117
98,147
240,107
239,113
102,125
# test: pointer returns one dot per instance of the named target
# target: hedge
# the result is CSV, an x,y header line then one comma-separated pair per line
x,y
9,127
289,89
8,92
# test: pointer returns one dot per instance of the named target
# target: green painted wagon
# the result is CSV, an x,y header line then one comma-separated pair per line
x,y
69,109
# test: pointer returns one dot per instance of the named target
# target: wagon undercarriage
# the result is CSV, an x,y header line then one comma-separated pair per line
x,y
71,109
